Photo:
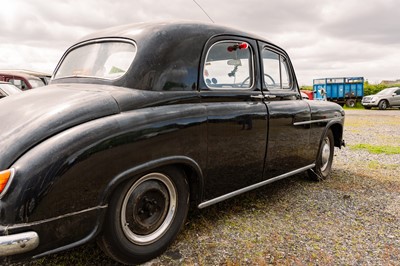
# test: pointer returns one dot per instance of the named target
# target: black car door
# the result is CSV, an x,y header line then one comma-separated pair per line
x,y
230,89
289,130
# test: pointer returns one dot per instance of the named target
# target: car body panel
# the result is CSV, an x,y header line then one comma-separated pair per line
x,y
46,112
7,89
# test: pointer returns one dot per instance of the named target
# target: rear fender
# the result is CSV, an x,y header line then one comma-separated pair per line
x,y
191,168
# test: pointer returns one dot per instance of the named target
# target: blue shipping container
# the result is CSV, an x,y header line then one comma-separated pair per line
x,y
345,90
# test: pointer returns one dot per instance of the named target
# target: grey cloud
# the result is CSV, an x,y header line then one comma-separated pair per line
x,y
322,37
369,21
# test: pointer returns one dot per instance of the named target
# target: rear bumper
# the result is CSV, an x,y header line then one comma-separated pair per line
x,y
39,238
18,243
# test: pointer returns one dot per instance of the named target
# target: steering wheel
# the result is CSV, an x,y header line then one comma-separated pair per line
x,y
272,81
265,82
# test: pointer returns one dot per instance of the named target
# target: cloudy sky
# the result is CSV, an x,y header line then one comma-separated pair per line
x,y
328,38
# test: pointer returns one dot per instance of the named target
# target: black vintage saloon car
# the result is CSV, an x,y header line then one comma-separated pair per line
x,y
141,122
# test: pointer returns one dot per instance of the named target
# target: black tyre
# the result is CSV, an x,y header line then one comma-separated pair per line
x,y
145,215
383,105
351,103
324,160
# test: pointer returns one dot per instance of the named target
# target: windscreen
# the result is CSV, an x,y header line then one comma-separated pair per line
x,y
10,89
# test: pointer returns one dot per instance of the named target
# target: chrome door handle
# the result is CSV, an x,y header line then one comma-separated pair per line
x,y
267,96
259,96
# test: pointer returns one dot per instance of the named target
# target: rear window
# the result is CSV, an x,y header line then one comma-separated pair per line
x,y
104,60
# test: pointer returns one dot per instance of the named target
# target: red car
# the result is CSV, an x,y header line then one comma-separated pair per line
x,y
23,79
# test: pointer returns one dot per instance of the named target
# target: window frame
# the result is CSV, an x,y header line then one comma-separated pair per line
x,y
252,65
282,58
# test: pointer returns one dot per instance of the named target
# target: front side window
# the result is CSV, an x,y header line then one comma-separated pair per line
x,y
36,83
384,92
276,71
229,65
105,60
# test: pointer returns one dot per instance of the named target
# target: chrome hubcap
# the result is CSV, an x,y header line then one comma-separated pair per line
x,y
325,154
148,209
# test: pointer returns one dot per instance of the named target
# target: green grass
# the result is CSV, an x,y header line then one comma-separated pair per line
x,y
377,149
357,106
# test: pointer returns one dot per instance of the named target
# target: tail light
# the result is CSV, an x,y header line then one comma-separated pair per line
x,y
5,180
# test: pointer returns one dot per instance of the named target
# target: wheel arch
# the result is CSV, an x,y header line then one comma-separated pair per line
x,y
384,100
190,168
337,130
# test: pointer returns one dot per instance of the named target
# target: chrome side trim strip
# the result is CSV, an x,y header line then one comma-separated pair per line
x,y
18,243
260,184
315,121
16,226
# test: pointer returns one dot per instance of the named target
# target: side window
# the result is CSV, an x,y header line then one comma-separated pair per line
x,y
276,71
229,65
398,92
19,83
285,74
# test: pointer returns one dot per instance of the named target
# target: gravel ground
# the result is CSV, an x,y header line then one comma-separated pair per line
x,y
353,218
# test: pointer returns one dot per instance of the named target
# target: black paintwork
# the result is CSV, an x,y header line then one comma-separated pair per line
x,y
73,142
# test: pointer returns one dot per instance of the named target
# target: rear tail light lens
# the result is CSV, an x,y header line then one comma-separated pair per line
x,y
5,179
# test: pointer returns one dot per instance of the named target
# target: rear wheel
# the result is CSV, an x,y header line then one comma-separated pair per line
x,y
383,105
351,103
145,215
324,161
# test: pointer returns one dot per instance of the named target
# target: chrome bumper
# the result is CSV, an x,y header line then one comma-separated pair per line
x,y
18,243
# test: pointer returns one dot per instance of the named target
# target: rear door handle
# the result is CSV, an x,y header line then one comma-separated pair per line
x,y
260,96
267,96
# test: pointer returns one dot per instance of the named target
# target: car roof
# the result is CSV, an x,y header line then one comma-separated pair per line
x,y
169,53
18,73
27,72
178,29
